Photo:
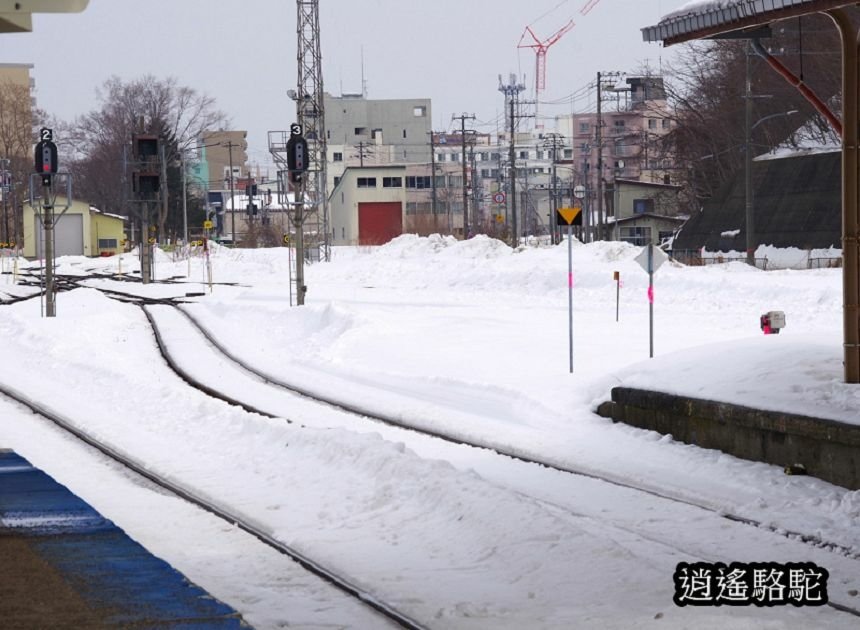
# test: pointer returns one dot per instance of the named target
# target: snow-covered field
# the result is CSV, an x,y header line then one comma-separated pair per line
x,y
470,338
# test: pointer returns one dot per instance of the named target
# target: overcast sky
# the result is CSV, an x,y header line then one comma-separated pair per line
x,y
244,53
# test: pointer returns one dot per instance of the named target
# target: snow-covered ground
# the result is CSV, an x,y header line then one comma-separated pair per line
x,y
470,338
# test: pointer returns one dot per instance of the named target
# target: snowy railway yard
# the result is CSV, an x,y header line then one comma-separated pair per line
x,y
502,500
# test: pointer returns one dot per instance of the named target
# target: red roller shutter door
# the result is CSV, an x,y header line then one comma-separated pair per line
x,y
379,222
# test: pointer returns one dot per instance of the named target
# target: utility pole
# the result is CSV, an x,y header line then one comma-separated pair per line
x,y
511,92
230,146
463,118
184,202
599,230
433,180
749,226
164,209
362,148
477,188
586,206
5,191
554,141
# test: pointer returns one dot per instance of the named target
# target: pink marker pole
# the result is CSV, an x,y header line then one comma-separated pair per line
x,y
570,290
651,298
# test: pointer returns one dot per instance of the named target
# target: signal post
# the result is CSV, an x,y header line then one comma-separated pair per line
x,y
297,165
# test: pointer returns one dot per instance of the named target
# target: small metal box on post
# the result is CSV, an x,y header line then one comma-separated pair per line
x,y
297,165
146,182
772,322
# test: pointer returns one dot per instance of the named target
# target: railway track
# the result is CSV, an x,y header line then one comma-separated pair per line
x,y
392,421
367,414
328,574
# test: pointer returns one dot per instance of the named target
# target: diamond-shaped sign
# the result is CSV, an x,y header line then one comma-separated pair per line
x,y
658,257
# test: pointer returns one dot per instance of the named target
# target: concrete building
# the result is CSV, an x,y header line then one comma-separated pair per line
x,y
632,128
215,155
368,205
17,74
16,144
644,212
81,231
375,132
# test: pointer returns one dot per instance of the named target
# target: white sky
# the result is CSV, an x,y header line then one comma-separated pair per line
x,y
244,53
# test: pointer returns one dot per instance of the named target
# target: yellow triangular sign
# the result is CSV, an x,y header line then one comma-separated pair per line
x,y
569,215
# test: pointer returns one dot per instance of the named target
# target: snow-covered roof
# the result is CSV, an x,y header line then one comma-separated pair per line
x,y
108,214
704,18
652,215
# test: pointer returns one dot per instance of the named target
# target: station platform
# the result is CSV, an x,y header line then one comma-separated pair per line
x,y
63,565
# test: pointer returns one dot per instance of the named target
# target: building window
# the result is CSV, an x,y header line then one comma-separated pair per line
x,y
584,127
568,153
392,182
666,123
636,235
404,133
652,123
618,125
440,181
455,181
366,182
440,157
376,134
336,181
485,173
496,156
361,131
419,111
337,157
455,157
641,206
540,155
524,155
107,243
485,157
419,182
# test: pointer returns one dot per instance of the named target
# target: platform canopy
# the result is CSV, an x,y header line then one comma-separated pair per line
x,y
707,18
16,16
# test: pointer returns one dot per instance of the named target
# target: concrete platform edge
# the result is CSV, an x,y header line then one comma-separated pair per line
x,y
826,449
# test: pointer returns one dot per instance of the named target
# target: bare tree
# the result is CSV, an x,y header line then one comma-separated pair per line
x,y
707,89
18,122
177,114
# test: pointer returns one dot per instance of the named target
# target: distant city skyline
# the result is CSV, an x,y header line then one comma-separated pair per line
x,y
449,51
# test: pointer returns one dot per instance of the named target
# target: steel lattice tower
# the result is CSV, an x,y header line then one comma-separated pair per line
x,y
310,114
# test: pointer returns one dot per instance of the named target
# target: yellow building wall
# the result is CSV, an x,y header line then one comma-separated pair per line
x,y
106,228
30,219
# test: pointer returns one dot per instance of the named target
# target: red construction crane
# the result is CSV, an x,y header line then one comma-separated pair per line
x,y
589,6
541,48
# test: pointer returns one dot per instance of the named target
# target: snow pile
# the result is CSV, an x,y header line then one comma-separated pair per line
x,y
781,257
469,339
